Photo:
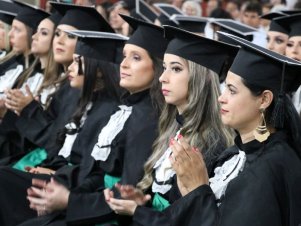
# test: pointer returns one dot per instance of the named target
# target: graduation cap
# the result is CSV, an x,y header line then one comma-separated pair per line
x,y
292,24
7,17
275,26
268,70
145,12
99,45
206,52
8,11
190,23
147,36
55,17
235,28
167,10
29,14
82,17
265,68
291,12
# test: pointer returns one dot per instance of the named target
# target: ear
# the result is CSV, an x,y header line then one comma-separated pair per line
x,y
266,99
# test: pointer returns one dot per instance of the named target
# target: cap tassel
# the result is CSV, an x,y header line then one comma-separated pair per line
x,y
278,115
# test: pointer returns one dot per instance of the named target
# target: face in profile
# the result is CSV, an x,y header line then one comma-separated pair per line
x,y
18,36
239,108
2,35
277,41
41,40
293,48
136,69
75,72
174,81
64,44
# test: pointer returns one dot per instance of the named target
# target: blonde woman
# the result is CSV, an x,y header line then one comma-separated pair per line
x,y
190,86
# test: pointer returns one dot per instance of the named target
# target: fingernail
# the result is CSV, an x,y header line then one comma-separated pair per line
x,y
195,149
180,136
171,142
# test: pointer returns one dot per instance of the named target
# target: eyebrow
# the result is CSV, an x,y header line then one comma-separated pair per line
x,y
231,86
175,62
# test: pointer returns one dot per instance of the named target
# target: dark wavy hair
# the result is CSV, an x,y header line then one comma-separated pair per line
x,y
100,78
291,124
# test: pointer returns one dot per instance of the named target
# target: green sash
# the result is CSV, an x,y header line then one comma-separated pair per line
x,y
159,203
110,181
33,158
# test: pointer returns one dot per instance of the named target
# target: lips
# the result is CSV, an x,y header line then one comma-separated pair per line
x,y
165,92
223,111
58,50
124,75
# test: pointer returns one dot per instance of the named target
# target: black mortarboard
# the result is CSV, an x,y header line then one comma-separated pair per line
x,y
264,68
8,11
29,14
291,23
190,23
7,17
55,17
291,12
147,36
82,17
206,52
145,12
275,26
235,28
99,45
166,11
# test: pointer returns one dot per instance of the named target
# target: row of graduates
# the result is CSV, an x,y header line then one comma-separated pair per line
x,y
106,140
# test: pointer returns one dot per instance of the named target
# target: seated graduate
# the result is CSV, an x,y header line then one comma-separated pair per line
x,y
37,122
24,26
190,86
125,143
96,75
7,14
257,181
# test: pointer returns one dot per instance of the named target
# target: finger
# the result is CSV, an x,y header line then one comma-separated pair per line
x,y
28,92
39,183
106,193
36,201
40,193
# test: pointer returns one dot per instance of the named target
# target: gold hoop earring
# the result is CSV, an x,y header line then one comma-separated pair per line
x,y
261,133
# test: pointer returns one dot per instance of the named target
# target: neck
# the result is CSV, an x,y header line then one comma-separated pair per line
x,y
43,61
246,136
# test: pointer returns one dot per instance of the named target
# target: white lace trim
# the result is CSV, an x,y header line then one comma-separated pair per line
x,y
164,170
8,79
33,83
102,148
296,99
70,138
227,172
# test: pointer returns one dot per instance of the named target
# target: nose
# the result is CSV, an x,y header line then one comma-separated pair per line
x,y
222,98
270,45
124,63
70,67
34,36
164,77
10,33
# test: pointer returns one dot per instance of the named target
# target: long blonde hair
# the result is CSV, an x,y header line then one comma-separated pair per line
x,y
202,123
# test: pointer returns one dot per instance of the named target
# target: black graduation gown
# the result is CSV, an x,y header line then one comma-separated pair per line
x,y
36,127
266,192
11,63
12,143
82,174
130,149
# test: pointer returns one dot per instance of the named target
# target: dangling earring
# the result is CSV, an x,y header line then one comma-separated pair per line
x,y
261,133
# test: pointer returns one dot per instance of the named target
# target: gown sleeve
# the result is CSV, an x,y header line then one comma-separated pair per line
x,y
265,193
